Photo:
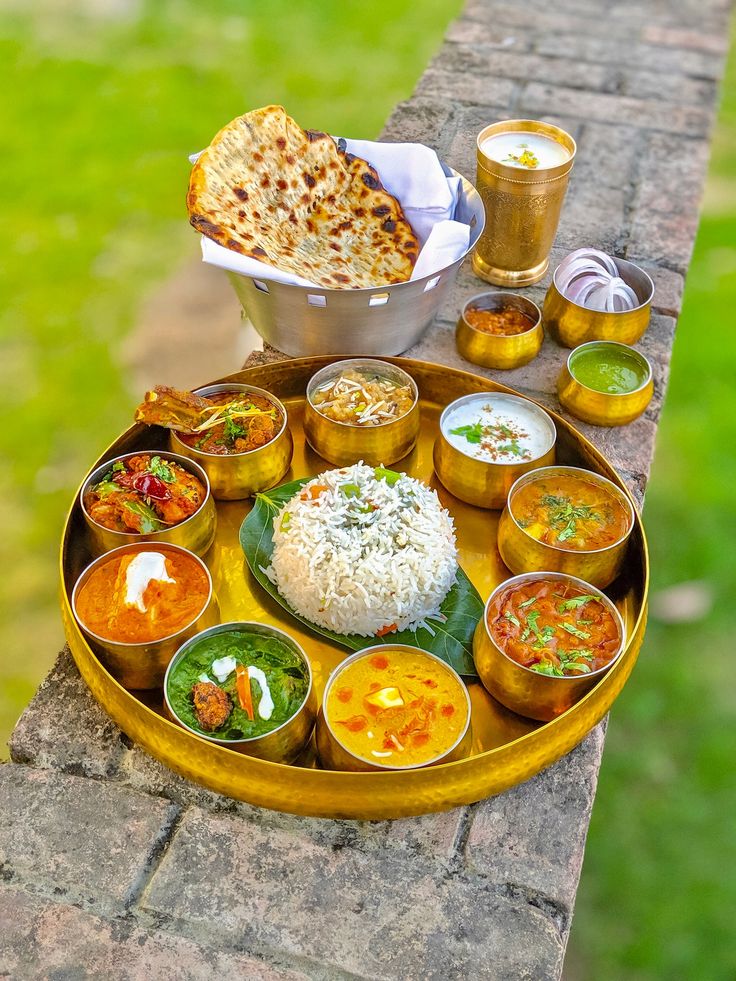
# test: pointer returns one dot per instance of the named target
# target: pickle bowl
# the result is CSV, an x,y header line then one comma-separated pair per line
x,y
571,324
333,751
501,351
523,553
485,483
234,476
196,533
142,665
281,744
529,693
345,443
596,405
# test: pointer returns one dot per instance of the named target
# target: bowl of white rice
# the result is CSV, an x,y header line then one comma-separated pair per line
x,y
365,551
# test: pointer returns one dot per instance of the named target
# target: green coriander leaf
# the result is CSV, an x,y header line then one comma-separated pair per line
x,y
523,606
473,433
161,470
510,616
575,601
572,629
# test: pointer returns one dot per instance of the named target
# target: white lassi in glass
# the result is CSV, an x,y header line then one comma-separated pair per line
x,y
527,151
498,428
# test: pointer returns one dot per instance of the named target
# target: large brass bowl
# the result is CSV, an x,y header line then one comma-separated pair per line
x,y
522,690
523,553
507,749
342,443
234,476
335,755
196,533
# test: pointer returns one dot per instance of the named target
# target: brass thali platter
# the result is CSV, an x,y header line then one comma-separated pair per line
x,y
507,749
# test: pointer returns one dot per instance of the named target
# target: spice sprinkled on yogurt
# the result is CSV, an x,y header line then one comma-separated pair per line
x,y
497,428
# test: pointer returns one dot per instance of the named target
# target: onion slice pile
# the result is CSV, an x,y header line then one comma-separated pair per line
x,y
591,279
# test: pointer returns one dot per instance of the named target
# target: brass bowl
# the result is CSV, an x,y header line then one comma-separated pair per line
x,y
499,350
571,324
526,692
342,443
142,666
523,553
334,755
195,534
480,482
604,408
234,476
281,745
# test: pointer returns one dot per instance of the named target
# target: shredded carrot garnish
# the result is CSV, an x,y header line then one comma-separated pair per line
x,y
242,684
388,629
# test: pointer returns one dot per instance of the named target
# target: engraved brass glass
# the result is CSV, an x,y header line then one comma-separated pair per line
x,y
343,444
142,666
522,209
234,476
526,692
479,482
281,745
603,408
507,749
196,533
334,755
571,324
498,350
522,553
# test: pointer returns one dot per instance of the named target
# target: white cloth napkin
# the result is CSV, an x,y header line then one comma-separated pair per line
x,y
414,175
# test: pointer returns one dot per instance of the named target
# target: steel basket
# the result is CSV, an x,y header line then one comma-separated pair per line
x,y
385,320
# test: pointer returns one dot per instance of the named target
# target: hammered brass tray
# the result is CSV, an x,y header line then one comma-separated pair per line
x,y
507,749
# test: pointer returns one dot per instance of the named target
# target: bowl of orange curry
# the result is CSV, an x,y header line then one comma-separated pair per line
x,y
544,641
152,496
499,330
138,603
566,519
393,707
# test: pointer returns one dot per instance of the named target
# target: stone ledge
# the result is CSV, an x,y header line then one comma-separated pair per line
x,y
40,940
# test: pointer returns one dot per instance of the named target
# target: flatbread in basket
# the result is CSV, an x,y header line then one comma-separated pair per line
x,y
295,200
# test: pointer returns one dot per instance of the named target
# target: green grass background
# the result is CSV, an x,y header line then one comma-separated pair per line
x,y
102,101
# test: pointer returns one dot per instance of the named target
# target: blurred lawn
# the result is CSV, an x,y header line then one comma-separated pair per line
x,y
103,108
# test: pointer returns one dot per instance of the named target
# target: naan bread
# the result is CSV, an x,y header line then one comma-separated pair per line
x,y
295,200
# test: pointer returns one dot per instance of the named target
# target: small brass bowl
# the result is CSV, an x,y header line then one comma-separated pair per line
x,y
195,534
342,443
604,408
281,745
480,482
526,692
500,350
523,553
234,476
334,755
571,324
142,666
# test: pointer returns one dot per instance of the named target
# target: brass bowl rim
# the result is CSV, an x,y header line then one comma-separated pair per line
x,y
349,361
566,577
505,396
143,547
501,293
531,475
238,626
382,648
646,363
218,387
615,313
185,462
536,126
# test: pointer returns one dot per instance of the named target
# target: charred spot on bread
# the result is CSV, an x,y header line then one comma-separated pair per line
x,y
240,193
370,180
309,180
281,143
381,210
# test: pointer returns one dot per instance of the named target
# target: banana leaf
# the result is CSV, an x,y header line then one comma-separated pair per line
x,y
463,607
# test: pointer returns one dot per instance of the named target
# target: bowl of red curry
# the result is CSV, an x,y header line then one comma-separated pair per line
x,y
546,639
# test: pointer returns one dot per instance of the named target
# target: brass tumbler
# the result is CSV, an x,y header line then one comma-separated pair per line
x,y
522,208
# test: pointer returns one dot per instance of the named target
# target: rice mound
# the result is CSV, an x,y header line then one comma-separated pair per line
x,y
359,549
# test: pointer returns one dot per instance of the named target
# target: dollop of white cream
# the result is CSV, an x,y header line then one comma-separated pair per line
x,y
265,704
146,567
223,667
204,677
